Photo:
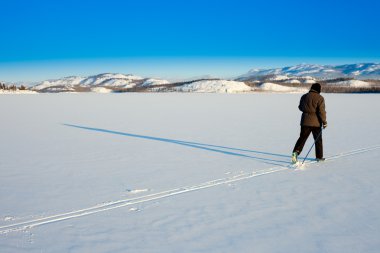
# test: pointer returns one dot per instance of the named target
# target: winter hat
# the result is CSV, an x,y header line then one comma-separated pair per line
x,y
316,87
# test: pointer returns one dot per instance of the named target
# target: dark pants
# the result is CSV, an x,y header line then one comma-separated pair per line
x,y
305,132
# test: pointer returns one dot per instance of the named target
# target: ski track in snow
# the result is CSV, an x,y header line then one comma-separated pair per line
x,y
161,195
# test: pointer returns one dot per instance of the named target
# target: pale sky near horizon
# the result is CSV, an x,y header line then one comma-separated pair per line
x,y
172,69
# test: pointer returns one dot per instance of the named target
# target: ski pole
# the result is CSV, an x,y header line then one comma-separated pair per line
x,y
319,135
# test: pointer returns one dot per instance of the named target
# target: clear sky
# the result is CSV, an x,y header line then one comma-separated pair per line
x,y
180,39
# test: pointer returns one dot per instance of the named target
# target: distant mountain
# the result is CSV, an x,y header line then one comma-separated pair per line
x,y
287,79
357,71
93,83
104,83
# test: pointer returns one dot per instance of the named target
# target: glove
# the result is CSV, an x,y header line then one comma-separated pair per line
x,y
324,125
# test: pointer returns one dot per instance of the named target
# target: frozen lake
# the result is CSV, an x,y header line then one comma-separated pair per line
x,y
179,172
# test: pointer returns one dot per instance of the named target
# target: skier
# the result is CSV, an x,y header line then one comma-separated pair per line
x,y
312,105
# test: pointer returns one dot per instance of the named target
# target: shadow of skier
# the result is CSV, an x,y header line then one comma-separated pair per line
x,y
203,146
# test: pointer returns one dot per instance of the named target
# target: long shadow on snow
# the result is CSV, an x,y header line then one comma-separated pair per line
x,y
202,146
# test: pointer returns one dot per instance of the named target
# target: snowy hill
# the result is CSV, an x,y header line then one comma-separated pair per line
x,y
299,76
214,86
154,82
108,81
359,71
354,83
272,87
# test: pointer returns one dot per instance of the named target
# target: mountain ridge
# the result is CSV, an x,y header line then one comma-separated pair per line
x,y
358,75
104,80
355,70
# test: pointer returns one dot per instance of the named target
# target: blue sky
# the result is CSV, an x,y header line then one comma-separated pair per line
x,y
179,39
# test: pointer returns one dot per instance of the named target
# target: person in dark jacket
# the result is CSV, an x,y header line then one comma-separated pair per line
x,y
312,105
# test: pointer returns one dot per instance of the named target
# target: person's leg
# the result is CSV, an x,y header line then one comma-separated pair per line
x,y
318,143
305,132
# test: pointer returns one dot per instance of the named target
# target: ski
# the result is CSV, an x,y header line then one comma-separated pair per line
x,y
334,157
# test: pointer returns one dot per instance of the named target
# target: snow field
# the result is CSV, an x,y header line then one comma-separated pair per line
x,y
354,83
272,87
217,86
83,151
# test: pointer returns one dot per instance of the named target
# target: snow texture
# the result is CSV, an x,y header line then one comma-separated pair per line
x,y
294,81
272,87
309,81
153,82
214,86
10,92
179,172
101,90
354,83
279,78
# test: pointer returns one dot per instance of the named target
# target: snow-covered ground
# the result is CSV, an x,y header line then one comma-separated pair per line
x,y
354,83
11,92
214,86
154,82
272,87
180,172
101,90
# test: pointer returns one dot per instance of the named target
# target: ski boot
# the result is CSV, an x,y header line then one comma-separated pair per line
x,y
294,157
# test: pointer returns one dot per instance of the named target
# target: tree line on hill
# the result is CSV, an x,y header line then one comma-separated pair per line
x,y
12,87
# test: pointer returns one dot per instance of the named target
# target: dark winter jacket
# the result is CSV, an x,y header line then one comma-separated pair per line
x,y
312,105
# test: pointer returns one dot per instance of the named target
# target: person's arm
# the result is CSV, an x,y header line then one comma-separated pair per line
x,y
301,105
322,113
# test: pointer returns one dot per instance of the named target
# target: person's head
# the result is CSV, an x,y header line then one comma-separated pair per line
x,y
316,87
